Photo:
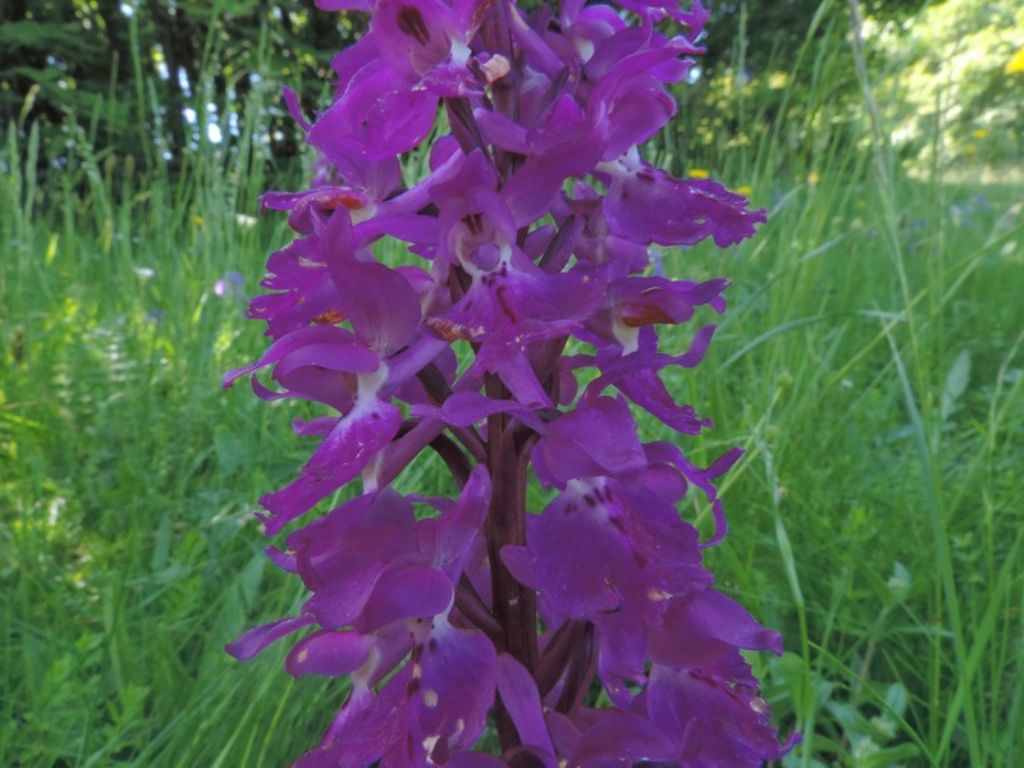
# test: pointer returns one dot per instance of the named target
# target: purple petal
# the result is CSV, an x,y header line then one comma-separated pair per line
x,y
714,721
711,613
635,113
464,409
291,99
324,346
568,146
458,528
255,640
622,736
501,130
522,702
564,732
410,361
457,686
383,307
328,653
283,560
339,601
379,526
703,479
416,36
646,389
598,438
403,226
342,455
343,5
668,545
380,113
406,593
571,558
318,427
649,206
614,365
365,728
306,295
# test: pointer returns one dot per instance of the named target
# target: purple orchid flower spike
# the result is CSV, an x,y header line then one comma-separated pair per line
x,y
518,338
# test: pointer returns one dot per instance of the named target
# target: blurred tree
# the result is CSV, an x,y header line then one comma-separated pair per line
x,y
156,78
773,30
952,98
148,76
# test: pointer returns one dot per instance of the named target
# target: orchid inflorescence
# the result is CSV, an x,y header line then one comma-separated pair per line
x,y
589,634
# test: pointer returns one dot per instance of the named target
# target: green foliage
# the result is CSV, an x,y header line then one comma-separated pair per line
x,y
941,72
770,32
872,363
950,98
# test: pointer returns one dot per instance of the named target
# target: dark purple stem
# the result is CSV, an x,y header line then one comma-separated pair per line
x,y
579,673
514,605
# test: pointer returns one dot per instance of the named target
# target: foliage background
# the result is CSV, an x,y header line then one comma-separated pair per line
x,y
870,363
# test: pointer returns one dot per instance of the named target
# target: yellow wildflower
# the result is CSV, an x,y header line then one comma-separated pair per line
x,y
979,133
699,173
746,190
813,178
1015,64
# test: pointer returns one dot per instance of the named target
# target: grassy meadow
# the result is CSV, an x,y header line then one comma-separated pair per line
x,y
871,363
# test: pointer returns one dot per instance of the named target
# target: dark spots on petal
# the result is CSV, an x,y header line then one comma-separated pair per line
x,y
350,201
330,317
645,175
590,500
411,22
636,317
417,654
432,644
448,330
412,688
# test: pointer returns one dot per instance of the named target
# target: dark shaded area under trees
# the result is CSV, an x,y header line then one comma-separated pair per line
x,y
139,78
124,73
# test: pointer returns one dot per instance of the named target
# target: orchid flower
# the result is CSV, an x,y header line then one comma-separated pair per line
x,y
520,338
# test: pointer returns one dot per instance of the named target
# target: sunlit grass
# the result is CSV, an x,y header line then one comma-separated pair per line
x,y
871,363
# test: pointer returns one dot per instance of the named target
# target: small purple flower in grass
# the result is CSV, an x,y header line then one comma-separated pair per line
x,y
534,229
232,284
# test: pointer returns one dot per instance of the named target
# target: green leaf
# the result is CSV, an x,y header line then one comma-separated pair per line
x,y
897,697
956,383
890,756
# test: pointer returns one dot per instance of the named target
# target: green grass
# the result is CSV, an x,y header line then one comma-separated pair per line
x,y
871,362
